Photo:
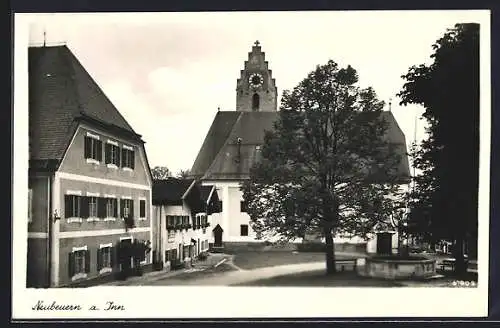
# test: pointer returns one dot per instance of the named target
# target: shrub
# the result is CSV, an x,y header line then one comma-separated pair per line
x,y
202,256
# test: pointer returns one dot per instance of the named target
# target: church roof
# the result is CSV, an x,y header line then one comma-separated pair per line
x,y
221,157
61,94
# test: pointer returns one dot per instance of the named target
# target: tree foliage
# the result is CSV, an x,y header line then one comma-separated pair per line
x,y
184,174
325,167
161,173
444,201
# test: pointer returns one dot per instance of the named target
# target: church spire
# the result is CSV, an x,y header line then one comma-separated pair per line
x,y
256,88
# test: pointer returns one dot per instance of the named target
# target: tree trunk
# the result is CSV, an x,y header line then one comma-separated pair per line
x,y
458,253
330,252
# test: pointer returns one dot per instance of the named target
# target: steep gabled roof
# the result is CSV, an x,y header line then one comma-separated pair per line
x,y
61,94
227,159
169,191
216,137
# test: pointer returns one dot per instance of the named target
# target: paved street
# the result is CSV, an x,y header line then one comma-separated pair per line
x,y
253,269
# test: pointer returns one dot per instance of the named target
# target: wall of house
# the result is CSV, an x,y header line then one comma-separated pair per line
x,y
77,176
231,218
85,188
37,274
40,203
237,218
93,242
74,161
38,241
172,239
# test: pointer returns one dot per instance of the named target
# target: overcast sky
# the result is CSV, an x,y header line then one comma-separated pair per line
x,y
168,73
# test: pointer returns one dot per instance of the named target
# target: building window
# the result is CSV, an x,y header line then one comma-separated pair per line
x,y
255,102
111,208
243,206
93,149
92,207
128,157
170,222
142,208
72,206
30,205
244,230
104,258
127,208
112,154
79,263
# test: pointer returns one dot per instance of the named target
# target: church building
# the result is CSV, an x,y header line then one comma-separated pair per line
x,y
233,143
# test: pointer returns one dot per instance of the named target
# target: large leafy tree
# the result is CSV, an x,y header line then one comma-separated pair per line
x,y
444,201
161,172
325,167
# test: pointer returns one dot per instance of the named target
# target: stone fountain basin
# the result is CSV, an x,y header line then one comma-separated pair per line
x,y
398,267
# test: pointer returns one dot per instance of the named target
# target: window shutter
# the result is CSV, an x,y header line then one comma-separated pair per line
x,y
118,161
87,261
143,208
123,157
99,259
99,150
122,205
101,207
85,207
115,207
132,160
113,256
67,206
132,208
71,264
87,146
107,153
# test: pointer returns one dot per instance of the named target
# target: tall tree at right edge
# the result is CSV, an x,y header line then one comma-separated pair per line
x,y
445,196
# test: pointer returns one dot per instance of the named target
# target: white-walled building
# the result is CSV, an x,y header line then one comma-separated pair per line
x,y
233,144
180,210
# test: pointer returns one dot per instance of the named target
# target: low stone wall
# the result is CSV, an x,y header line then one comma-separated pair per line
x,y
412,269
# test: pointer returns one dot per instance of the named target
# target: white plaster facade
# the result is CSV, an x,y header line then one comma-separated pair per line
x,y
231,218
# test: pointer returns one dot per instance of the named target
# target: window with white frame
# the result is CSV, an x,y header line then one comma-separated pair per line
x,y
127,208
30,205
105,258
111,207
92,207
128,157
112,153
72,207
79,262
93,148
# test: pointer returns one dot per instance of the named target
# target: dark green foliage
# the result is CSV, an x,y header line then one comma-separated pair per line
x,y
325,167
444,202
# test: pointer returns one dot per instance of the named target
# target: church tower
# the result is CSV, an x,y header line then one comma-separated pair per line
x,y
256,89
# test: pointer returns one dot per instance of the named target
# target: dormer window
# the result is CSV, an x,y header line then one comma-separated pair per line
x,y
93,148
112,154
128,157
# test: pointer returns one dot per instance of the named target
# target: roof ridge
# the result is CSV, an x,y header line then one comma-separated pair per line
x,y
223,145
92,80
